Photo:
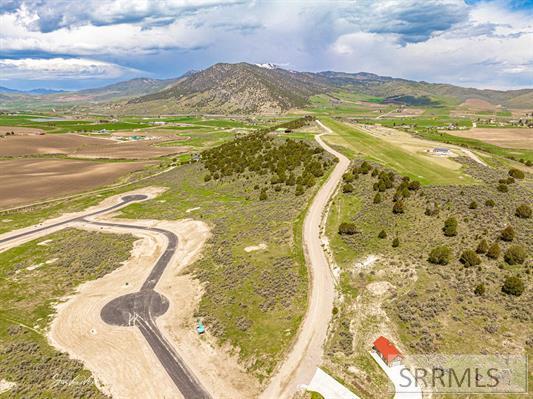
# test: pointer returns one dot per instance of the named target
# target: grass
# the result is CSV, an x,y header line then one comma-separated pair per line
x,y
443,137
254,301
430,308
354,143
200,139
26,307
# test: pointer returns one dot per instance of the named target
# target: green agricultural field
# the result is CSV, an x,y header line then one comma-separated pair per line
x,y
28,288
200,138
354,143
344,104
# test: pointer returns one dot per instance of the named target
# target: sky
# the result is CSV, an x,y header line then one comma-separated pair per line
x,y
73,44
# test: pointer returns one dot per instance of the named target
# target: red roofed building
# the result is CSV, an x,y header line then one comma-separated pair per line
x,y
387,351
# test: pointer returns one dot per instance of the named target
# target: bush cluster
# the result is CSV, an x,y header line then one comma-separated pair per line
x,y
516,173
440,255
290,162
513,286
469,258
347,228
450,227
523,211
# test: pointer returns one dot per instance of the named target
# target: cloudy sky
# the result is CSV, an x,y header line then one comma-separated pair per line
x,y
86,43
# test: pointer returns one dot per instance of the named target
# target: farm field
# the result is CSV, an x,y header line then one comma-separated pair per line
x,y
77,146
520,138
354,143
33,180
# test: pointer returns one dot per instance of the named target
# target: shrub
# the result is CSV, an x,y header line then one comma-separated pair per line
x,y
450,227
207,177
405,192
377,198
516,173
347,188
469,258
347,177
365,167
523,211
439,255
473,205
502,188
490,203
507,234
479,290
346,228
494,251
299,190
515,255
482,247
263,195
414,185
513,286
291,181
396,242
382,234
398,207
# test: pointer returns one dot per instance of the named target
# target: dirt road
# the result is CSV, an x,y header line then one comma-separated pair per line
x,y
306,354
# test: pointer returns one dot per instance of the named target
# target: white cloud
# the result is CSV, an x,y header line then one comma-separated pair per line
x,y
492,49
18,33
486,44
61,68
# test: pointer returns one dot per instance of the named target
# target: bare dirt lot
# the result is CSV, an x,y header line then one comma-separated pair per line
x,y
28,180
101,346
82,147
477,104
510,138
20,130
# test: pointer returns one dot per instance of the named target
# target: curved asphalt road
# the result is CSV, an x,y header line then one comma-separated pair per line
x,y
141,308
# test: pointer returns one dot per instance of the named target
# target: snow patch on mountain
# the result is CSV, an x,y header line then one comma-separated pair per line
x,y
268,65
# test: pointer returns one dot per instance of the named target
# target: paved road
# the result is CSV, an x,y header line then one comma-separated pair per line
x,y
124,201
306,354
140,309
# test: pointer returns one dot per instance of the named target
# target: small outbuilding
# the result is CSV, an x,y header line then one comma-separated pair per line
x,y
387,351
441,151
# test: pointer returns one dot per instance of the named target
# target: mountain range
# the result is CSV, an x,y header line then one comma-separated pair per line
x,y
263,88
5,90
